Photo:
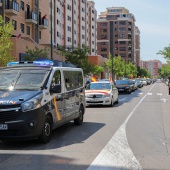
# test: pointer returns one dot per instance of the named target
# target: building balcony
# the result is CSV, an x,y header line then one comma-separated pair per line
x,y
129,32
31,18
11,7
43,24
129,51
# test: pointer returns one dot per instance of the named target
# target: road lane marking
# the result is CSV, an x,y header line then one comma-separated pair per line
x,y
140,93
149,94
159,94
164,100
117,154
123,99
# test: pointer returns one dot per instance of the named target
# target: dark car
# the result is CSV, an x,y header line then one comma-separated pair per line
x,y
126,86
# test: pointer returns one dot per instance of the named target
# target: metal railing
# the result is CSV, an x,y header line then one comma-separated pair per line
x,y
12,5
31,15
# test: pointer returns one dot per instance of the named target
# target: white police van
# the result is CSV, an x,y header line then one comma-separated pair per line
x,y
36,97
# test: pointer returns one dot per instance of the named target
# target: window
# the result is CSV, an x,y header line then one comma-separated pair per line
x,y
83,36
122,22
7,20
28,30
68,18
122,29
92,49
83,19
73,79
103,30
103,43
122,42
22,5
92,19
58,10
92,26
103,49
122,36
68,39
82,9
92,42
68,28
103,24
22,27
83,28
103,37
56,79
92,11
14,23
122,48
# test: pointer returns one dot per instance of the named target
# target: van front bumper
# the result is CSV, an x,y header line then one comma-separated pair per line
x,y
28,125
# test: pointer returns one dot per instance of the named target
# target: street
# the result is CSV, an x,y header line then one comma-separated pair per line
x,y
133,134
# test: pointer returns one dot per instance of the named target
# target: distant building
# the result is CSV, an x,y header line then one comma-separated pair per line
x,y
152,65
118,35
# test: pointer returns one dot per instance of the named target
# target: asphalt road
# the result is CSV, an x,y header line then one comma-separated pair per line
x,y
134,134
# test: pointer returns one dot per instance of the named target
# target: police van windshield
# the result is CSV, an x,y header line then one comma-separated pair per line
x,y
22,79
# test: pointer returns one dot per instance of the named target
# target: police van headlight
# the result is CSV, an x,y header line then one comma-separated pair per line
x,y
32,104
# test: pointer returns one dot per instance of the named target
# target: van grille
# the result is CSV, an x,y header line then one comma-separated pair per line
x,y
9,115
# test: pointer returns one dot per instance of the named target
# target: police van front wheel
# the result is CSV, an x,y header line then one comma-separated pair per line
x,y
79,120
46,131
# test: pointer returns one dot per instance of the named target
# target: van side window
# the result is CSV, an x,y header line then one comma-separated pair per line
x,y
73,79
56,79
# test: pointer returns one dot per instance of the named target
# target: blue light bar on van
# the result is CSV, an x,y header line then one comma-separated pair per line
x,y
39,63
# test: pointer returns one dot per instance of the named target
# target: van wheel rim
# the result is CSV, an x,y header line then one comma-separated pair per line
x,y
47,129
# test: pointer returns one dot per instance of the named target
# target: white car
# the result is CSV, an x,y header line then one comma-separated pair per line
x,y
101,93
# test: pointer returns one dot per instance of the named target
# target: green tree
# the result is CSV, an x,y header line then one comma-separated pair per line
x,y
164,71
165,52
79,58
131,70
35,54
143,72
97,70
6,44
118,66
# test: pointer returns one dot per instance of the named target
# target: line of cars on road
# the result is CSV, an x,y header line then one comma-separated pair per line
x,y
104,92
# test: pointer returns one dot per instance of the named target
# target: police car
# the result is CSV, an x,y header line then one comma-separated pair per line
x,y
36,97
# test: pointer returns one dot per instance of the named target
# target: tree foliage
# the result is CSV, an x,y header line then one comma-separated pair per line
x,y
143,72
35,54
79,58
98,69
165,52
6,44
164,71
120,68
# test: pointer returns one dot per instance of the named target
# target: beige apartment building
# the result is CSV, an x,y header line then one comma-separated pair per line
x,y
73,25
118,35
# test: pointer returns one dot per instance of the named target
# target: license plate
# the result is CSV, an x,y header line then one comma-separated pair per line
x,y
3,126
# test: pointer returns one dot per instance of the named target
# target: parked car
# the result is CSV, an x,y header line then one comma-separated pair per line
x,y
144,81
126,86
139,84
101,93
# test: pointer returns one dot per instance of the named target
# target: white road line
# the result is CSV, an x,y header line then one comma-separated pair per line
x,y
149,94
159,94
140,93
123,99
117,153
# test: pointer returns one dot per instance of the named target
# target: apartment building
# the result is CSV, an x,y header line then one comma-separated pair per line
x,y
73,24
117,33
137,46
152,65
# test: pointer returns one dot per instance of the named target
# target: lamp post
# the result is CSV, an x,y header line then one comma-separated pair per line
x,y
112,67
51,28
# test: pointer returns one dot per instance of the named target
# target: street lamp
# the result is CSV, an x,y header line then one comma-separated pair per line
x,y
51,28
112,67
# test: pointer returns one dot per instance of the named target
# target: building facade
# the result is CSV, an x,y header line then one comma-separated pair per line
x,y
117,35
51,24
152,65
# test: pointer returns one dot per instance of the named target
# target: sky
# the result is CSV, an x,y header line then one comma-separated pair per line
x,y
153,20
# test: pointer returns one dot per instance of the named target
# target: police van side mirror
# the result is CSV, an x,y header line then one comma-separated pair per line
x,y
56,89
